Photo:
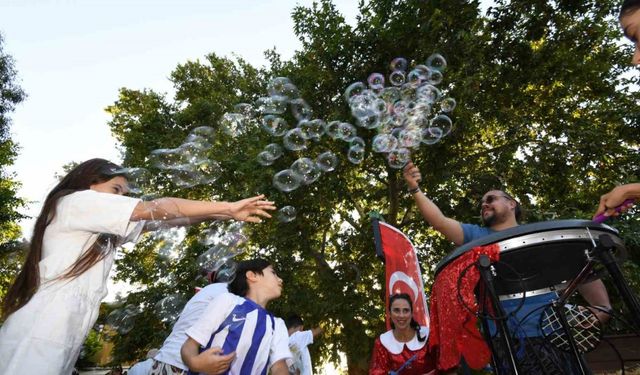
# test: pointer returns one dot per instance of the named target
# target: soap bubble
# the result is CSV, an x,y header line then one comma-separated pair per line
x,y
397,78
398,158
313,129
431,135
448,104
164,158
414,78
384,143
206,132
370,121
333,129
442,122
294,140
197,141
233,124
437,62
435,77
169,240
286,214
225,270
273,105
138,179
399,63
305,170
286,180
410,137
279,86
274,125
168,309
245,109
429,93
354,90
327,161
357,142
390,94
347,131
274,149
265,158
376,81
300,109
184,177
356,154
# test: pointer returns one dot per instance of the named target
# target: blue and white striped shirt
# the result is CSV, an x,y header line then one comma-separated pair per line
x,y
237,324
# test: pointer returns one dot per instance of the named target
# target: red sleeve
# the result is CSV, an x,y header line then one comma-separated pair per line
x,y
379,360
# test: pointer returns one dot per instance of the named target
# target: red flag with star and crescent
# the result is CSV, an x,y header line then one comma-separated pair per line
x,y
403,273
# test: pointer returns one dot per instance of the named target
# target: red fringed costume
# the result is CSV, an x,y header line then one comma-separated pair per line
x,y
389,355
454,330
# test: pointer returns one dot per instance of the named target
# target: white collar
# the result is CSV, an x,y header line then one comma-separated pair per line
x,y
395,347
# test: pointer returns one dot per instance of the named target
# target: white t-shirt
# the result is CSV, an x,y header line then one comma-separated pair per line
x,y
45,335
237,324
170,351
141,368
298,343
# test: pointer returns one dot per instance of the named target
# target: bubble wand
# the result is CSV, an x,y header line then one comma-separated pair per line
x,y
602,217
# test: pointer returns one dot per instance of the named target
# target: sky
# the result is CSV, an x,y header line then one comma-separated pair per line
x,y
72,57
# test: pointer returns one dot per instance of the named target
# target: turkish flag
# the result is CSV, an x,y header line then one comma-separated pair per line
x,y
402,269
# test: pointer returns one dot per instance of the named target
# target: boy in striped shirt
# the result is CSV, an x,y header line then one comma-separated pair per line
x,y
239,323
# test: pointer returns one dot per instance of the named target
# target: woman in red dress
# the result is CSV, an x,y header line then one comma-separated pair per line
x,y
403,349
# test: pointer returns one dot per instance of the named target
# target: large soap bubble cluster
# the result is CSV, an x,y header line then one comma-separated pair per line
x,y
408,112
224,242
189,164
405,107
284,114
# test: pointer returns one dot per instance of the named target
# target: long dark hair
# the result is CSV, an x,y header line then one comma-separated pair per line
x,y
413,323
81,177
629,6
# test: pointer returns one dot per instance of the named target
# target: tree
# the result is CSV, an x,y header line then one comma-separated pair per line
x,y
10,95
544,111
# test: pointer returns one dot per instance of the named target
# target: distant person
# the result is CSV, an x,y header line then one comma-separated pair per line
x,y
299,339
403,349
239,326
55,299
168,360
630,22
144,367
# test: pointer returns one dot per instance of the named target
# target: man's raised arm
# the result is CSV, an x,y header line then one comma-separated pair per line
x,y
450,228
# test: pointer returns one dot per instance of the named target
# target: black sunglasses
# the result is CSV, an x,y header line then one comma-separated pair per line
x,y
491,198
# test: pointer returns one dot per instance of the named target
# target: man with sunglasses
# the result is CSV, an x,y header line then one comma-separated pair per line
x,y
500,211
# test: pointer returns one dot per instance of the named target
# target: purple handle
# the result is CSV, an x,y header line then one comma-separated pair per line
x,y
600,218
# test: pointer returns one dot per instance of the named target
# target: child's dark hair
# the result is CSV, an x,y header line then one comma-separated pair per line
x,y
239,285
293,321
413,323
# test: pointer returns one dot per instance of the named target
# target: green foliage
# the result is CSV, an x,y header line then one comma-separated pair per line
x,y
543,112
92,345
10,95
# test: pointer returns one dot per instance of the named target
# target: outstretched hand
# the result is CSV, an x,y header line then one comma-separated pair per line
x,y
412,175
251,210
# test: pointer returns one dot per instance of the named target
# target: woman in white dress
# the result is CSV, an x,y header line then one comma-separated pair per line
x,y
55,299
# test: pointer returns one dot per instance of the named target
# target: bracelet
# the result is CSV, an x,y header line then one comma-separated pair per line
x,y
414,190
604,309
